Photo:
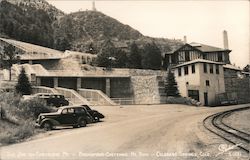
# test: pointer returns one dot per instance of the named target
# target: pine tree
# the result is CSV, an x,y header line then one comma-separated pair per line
x,y
134,56
171,87
151,57
23,86
8,57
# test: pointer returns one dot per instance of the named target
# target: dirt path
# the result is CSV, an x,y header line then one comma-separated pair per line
x,y
131,132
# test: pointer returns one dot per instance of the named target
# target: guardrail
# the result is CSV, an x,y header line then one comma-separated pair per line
x,y
124,101
95,97
74,97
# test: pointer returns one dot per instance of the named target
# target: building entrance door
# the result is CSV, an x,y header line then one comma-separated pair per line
x,y
205,99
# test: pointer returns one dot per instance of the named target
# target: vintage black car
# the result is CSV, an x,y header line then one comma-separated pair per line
x,y
52,99
75,116
94,113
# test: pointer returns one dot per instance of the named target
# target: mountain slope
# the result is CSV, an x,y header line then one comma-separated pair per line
x,y
28,22
83,28
38,22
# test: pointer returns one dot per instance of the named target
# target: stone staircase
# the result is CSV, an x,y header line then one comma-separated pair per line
x,y
95,97
161,87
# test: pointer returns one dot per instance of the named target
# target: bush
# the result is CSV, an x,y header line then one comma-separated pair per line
x,y
182,100
18,122
15,133
32,108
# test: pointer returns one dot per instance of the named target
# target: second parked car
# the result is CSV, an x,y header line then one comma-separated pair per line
x,y
94,113
57,100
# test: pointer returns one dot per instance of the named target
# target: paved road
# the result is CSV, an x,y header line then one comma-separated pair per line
x,y
131,132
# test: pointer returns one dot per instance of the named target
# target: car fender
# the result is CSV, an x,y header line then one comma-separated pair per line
x,y
88,120
54,122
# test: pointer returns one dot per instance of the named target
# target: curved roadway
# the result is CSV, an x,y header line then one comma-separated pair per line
x,y
132,132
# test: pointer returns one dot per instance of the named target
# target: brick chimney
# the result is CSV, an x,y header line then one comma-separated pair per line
x,y
225,39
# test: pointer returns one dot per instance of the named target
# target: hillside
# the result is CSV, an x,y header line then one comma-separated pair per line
x,y
28,22
38,22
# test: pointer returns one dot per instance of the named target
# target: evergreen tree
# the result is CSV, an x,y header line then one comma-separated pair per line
x,y
151,58
171,87
103,58
23,86
134,56
8,57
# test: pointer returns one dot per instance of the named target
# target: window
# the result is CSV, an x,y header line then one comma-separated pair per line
x,y
194,94
70,110
220,57
204,55
179,71
187,57
207,83
211,68
205,67
193,68
79,110
217,69
186,70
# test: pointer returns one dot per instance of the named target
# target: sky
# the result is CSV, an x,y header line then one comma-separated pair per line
x,y
201,21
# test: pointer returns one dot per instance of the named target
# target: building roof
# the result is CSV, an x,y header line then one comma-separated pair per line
x,y
72,53
198,61
200,47
232,67
207,48
34,52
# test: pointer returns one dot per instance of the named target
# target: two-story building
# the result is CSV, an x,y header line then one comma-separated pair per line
x,y
201,80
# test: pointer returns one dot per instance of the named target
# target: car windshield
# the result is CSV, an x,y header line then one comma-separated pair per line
x,y
87,107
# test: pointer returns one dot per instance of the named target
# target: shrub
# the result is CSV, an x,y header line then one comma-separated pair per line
x,y
32,108
15,133
18,122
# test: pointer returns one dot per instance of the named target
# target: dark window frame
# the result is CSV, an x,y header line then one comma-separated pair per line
x,y
207,83
205,67
211,68
179,71
193,68
185,70
217,68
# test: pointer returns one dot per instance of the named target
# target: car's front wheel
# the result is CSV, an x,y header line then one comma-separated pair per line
x,y
82,122
47,126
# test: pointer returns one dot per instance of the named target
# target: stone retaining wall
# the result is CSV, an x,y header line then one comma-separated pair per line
x,y
145,89
241,86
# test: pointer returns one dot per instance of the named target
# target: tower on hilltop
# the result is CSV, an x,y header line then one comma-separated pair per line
x,y
93,6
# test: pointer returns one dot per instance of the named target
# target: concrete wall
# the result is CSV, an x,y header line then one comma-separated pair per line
x,y
121,88
241,86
